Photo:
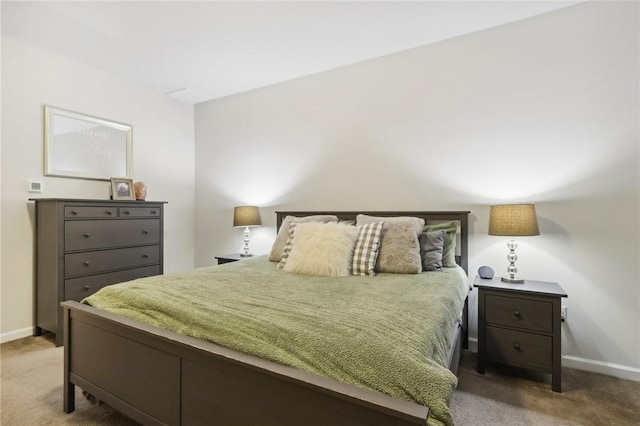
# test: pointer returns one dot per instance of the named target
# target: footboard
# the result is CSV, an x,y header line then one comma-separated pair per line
x,y
159,377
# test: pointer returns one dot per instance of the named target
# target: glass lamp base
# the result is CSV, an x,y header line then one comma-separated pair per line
x,y
512,280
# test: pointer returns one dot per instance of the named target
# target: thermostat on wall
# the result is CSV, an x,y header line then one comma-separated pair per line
x,y
35,186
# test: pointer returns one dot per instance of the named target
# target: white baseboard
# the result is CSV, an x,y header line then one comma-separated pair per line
x,y
16,334
608,368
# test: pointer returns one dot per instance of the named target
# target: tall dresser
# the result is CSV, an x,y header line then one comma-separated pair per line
x,y
84,245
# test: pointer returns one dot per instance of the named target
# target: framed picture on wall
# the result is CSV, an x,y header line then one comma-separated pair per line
x,y
86,147
122,189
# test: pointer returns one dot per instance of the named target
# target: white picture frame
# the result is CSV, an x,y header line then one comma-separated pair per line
x,y
86,147
122,189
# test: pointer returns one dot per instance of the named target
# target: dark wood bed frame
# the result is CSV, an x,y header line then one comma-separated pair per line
x,y
160,377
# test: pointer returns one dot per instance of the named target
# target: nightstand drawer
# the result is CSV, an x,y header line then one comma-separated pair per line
x,y
521,313
518,347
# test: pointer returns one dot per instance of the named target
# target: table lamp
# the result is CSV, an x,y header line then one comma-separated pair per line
x,y
513,220
246,216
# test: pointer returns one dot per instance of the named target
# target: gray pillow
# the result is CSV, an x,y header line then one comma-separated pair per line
x,y
431,248
283,233
449,251
399,247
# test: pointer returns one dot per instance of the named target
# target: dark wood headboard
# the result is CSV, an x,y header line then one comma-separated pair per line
x,y
462,247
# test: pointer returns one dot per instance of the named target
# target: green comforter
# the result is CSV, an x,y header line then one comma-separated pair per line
x,y
388,333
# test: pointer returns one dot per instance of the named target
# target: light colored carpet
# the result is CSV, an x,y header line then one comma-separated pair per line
x,y
515,397
31,388
32,374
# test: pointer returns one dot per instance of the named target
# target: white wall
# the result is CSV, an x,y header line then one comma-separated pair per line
x,y
163,157
542,110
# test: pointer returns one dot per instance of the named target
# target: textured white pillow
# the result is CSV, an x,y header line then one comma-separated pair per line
x,y
283,234
324,249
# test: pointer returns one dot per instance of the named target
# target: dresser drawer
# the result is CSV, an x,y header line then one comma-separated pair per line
x,y
79,288
89,212
96,234
139,212
92,262
521,313
518,347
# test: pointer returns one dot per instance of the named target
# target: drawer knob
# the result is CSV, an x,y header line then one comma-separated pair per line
x,y
87,287
145,256
109,212
74,212
127,212
516,346
87,234
87,263
517,313
153,212
145,231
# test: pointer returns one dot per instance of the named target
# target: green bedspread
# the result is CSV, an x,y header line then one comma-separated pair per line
x,y
388,333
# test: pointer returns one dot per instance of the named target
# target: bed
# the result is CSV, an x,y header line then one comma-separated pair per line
x,y
159,376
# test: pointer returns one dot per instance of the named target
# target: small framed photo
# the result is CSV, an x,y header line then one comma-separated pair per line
x,y
122,189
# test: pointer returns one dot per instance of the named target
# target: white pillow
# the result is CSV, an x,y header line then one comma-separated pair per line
x,y
324,249
283,234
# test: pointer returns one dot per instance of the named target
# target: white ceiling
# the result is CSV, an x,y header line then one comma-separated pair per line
x,y
215,49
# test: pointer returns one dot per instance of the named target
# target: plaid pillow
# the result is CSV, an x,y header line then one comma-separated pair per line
x,y
366,251
288,246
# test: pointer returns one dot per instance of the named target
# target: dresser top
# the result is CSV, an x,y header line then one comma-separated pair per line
x,y
85,200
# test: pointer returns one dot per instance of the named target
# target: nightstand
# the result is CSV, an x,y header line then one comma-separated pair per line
x,y
519,325
228,258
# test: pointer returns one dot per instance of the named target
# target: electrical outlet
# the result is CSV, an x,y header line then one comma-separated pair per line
x,y
563,313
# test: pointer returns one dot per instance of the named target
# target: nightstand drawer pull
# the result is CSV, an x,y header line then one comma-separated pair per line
x,y
87,234
87,287
87,263
516,346
145,231
145,256
516,313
